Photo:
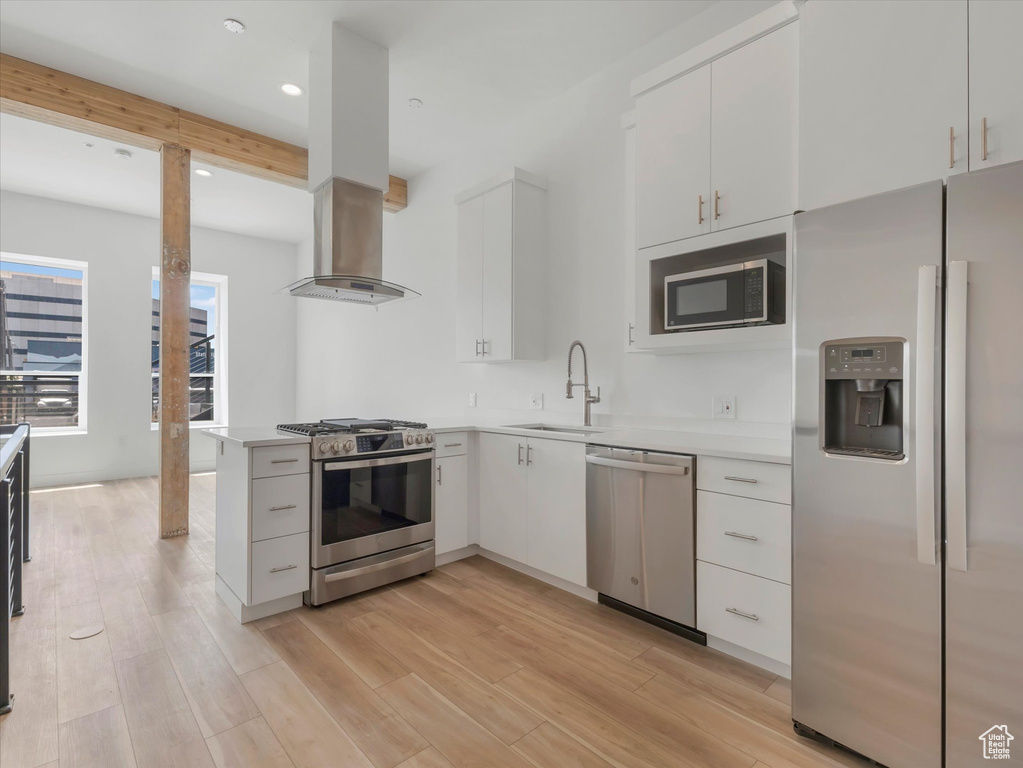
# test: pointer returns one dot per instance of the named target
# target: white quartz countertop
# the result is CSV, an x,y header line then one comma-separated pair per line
x,y
254,437
697,443
771,450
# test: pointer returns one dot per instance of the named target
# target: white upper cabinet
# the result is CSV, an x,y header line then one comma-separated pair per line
x,y
716,147
500,281
673,160
996,82
754,113
883,99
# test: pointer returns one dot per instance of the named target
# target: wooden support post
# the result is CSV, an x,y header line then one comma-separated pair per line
x,y
175,271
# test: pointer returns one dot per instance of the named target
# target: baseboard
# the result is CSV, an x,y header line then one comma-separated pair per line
x,y
246,613
547,578
458,554
752,657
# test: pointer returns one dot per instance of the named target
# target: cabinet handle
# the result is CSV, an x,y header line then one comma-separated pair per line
x,y
741,479
283,506
485,342
283,461
741,535
477,347
745,615
520,453
983,138
699,211
452,445
529,455
440,481
951,147
632,327
717,200
283,568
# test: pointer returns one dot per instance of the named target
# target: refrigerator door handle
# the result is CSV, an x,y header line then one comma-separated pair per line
x,y
955,415
926,306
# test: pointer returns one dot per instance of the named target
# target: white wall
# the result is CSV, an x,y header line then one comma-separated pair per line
x,y
398,361
121,250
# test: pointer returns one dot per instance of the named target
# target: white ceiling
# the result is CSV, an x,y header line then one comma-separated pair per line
x,y
43,160
476,65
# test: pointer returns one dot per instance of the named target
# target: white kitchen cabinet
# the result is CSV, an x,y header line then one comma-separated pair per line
x,y
673,160
996,82
452,504
502,462
754,114
533,503
883,101
629,244
500,263
556,524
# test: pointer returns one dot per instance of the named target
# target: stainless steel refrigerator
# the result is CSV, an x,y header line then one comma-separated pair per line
x,y
907,582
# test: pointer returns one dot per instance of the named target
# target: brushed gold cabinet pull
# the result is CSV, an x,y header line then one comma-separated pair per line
x,y
717,199
951,147
983,138
699,214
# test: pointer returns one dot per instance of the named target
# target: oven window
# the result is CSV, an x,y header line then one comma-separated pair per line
x,y
695,299
372,500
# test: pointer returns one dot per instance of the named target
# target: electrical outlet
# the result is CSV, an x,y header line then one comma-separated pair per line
x,y
536,401
472,399
723,407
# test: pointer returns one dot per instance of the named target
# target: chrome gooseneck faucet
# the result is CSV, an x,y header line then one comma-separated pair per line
x,y
588,399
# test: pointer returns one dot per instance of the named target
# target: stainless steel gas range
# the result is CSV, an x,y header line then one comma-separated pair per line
x,y
372,504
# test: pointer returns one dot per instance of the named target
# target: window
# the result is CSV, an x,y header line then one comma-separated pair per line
x,y
207,350
42,333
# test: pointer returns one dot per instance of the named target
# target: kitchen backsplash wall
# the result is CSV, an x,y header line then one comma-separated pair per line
x,y
398,361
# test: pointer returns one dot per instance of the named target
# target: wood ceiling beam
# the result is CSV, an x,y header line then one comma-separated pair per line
x,y
58,98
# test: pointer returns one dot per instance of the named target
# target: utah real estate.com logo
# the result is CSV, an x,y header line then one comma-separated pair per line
x,y
996,742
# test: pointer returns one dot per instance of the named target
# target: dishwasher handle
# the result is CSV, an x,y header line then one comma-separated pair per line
x,y
637,466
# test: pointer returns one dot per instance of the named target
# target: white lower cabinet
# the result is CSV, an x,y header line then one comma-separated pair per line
x,y
280,567
746,610
452,504
533,503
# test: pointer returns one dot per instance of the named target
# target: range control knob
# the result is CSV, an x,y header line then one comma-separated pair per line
x,y
429,437
324,447
349,445
336,446
409,439
419,439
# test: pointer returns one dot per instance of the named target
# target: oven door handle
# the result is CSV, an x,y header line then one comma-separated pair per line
x,y
342,575
382,462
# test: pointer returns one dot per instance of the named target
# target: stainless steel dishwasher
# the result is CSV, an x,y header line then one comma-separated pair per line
x,y
641,534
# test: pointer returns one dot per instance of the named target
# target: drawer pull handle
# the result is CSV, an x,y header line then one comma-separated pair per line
x,y
283,461
452,445
283,568
741,535
283,506
742,479
745,615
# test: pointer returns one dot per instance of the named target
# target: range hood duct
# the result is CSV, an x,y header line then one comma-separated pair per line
x,y
348,126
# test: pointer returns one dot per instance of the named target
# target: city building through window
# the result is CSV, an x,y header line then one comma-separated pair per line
x,y
207,374
43,339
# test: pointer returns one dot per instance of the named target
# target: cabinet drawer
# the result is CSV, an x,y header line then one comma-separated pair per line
x,y
280,567
280,506
746,610
745,534
752,479
275,460
452,444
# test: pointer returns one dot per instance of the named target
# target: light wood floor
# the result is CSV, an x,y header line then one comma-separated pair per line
x,y
472,666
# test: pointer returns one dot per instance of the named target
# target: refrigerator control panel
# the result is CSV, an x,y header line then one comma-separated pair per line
x,y
866,360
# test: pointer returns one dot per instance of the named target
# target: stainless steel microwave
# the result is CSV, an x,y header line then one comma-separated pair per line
x,y
751,293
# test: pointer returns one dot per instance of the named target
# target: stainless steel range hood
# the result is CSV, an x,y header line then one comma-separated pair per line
x,y
348,173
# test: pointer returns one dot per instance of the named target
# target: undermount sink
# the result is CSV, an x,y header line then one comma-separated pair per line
x,y
554,428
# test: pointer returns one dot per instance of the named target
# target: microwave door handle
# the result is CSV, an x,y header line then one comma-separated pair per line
x,y
926,308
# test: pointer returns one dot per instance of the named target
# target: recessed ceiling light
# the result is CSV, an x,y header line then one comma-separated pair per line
x,y
233,25
203,172
291,89
415,103
122,153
